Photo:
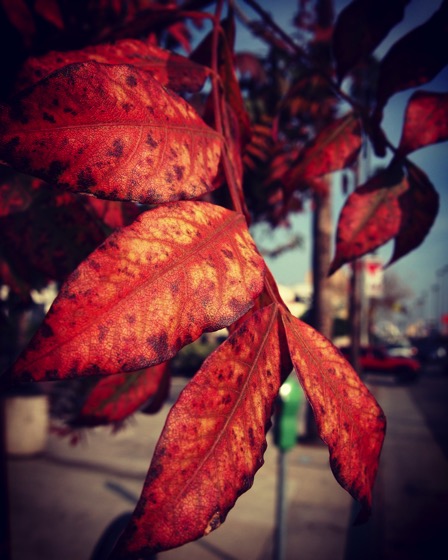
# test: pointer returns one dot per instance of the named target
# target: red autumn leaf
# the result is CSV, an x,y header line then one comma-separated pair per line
x,y
360,28
213,441
112,131
170,69
371,216
333,149
20,16
116,397
415,59
419,206
426,121
50,11
152,287
348,418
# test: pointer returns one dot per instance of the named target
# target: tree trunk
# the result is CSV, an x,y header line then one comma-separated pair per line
x,y
321,315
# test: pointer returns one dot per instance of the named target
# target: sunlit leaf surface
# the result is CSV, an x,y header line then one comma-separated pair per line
x,y
152,287
213,441
348,418
112,131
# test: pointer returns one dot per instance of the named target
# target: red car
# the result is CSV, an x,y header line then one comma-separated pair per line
x,y
375,359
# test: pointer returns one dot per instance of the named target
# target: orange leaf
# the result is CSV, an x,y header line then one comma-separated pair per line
x,y
170,69
112,131
371,216
349,419
116,397
426,121
213,441
152,287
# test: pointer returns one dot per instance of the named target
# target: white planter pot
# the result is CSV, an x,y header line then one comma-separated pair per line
x,y
26,424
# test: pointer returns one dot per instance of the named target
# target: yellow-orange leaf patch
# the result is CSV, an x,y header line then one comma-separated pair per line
x,y
213,441
112,131
149,289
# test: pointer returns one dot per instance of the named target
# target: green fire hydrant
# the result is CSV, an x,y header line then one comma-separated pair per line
x,y
290,399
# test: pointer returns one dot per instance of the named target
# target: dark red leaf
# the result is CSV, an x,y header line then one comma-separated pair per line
x,y
116,397
333,149
152,287
419,206
170,69
212,443
49,237
112,131
348,418
20,16
50,11
426,121
371,216
415,59
360,28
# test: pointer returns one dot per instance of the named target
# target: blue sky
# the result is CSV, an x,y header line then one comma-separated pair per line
x,y
418,269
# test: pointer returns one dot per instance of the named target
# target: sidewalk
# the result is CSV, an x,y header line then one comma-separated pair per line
x,y
62,502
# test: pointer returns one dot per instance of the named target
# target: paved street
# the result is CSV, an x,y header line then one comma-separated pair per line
x,y
62,501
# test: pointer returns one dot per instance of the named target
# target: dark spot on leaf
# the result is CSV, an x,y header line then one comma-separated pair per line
x,y
131,80
159,344
127,107
86,179
103,330
56,169
226,400
151,142
70,110
117,148
94,264
46,331
227,253
131,319
47,117
179,171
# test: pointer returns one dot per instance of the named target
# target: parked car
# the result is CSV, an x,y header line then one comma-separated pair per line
x,y
375,359
402,349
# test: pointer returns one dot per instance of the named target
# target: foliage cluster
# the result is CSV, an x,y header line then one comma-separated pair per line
x,y
133,175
